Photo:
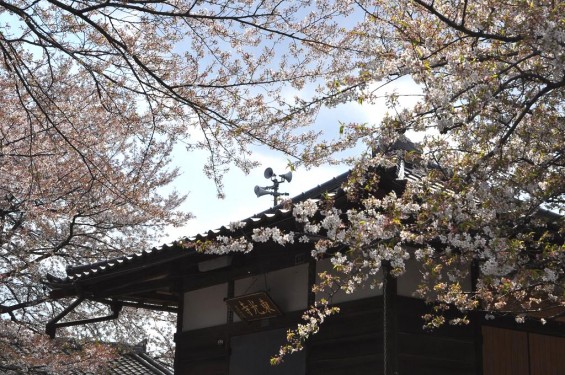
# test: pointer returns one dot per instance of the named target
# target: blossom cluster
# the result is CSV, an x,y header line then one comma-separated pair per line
x,y
224,245
275,234
296,338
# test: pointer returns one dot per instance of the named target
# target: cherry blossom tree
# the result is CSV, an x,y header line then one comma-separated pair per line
x,y
491,166
95,94
209,72
29,354
487,191
79,185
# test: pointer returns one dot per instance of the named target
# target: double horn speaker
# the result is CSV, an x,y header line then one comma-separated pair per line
x,y
259,191
269,174
287,176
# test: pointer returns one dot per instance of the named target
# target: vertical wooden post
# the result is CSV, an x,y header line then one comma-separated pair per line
x,y
476,321
180,321
390,357
180,311
311,281
311,299
229,324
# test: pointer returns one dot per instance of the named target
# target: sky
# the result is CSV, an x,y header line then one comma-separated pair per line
x,y
240,201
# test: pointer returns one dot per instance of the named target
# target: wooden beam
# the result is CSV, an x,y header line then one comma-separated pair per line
x,y
134,288
390,355
148,298
476,321
229,324
180,303
150,306
53,324
51,327
256,263
311,281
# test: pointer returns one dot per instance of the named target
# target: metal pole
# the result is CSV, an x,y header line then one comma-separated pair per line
x,y
275,191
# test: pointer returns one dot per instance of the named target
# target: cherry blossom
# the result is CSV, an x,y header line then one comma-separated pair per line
x,y
95,95
485,190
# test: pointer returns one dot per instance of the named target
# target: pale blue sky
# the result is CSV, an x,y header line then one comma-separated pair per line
x,y
240,201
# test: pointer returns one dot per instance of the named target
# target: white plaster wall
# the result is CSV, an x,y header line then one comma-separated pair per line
x,y
288,287
341,296
205,307
408,282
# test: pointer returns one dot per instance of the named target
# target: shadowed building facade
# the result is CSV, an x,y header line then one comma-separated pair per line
x,y
234,310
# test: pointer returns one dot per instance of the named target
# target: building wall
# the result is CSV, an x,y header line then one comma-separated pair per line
x,y
353,342
409,281
350,343
513,352
205,307
449,350
288,287
341,296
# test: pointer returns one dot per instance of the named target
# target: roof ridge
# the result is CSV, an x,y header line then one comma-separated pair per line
x,y
146,360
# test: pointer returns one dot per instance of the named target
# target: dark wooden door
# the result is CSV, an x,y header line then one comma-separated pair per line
x,y
511,352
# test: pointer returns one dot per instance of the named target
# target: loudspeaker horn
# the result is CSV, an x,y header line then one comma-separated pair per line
x,y
268,173
259,191
287,176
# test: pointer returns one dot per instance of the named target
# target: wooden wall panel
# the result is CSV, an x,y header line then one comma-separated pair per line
x,y
360,365
203,367
199,353
505,352
547,355
350,342
435,355
449,350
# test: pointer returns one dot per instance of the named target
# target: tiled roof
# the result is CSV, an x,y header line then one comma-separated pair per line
x,y
168,252
138,364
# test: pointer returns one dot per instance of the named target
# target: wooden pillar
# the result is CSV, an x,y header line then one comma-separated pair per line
x,y
476,321
311,299
180,320
390,355
311,281
180,311
229,325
